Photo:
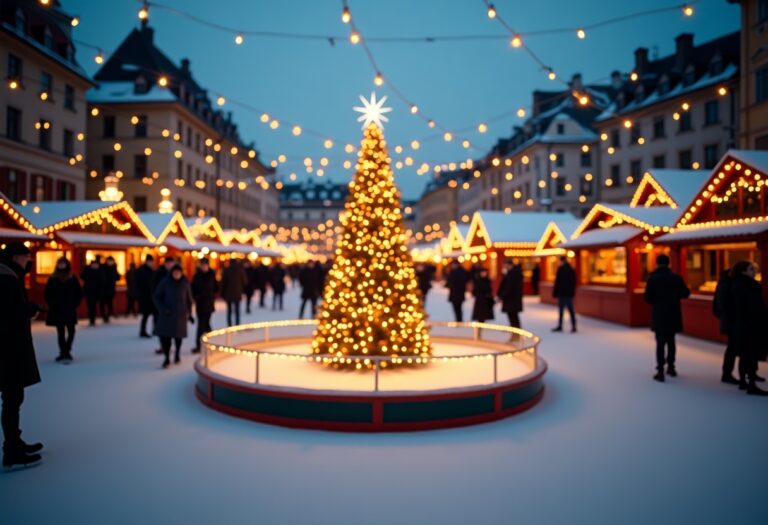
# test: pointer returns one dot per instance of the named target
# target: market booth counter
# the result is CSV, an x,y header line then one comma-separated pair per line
x,y
495,236
725,223
81,231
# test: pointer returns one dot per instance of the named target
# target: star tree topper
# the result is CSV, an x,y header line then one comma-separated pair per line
x,y
372,111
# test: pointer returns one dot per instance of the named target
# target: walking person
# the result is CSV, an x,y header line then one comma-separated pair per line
x,y
204,289
456,282
481,289
311,281
262,280
664,291
93,288
510,294
424,281
131,291
233,281
746,310
18,365
565,290
535,278
63,294
158,276
720,310
277,282
144,293
250,284
111,276
173,300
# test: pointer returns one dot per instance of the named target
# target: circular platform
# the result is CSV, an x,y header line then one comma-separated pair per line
x,y
266,372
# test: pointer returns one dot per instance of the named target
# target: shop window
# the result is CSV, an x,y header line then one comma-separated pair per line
x,y
119,257
728,208
751,203
45,262
604,266
705,263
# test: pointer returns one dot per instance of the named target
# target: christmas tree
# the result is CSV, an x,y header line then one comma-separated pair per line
x,y
371,304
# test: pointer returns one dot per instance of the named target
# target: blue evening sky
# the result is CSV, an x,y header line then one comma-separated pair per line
x,y
459,84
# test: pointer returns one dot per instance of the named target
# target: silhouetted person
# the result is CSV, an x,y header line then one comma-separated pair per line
x,y
511,293
233,281
111,276
481,289
277,282
144,292
157,277
535,278
18,365
63,295
131,290
565,290
93,288
173,300
664,291
204,289
311,280
456,282
424,281
746,309
720,310
250,284
262,280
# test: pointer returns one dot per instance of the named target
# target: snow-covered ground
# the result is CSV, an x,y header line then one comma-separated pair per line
x,y
127,442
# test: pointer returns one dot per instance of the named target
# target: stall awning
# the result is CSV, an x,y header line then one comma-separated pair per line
x,y
179,244
231,248
104,239
9,233
688,235
615,236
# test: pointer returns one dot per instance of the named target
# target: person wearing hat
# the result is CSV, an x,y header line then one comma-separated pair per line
x,y
173,300
18,365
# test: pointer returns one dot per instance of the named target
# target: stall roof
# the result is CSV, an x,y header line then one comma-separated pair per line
x,y
614,236
681,186
9,233
686,234
654,216
160,226
179,243
49,213
515,227
104,239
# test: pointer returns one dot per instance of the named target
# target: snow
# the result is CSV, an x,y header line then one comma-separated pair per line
x,y
681,185
603,237
757,159
9,233
103,239
111,92
128,443
655,215
735,230
519,226
43,214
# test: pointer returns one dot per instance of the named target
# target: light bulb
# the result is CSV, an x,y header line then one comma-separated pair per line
x,y
239,39
491,11
346,16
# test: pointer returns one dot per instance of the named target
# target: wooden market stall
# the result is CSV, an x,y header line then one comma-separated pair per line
x,y
725,222
14,227
172,237
548,251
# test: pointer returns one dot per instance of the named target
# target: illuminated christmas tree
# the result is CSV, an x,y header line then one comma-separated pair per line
x,y
372,305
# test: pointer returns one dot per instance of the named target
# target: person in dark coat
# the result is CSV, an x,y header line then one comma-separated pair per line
x,y
311,280
131,291
63,295
720,310
204,289
664,291
111,276
424,281
18,365
565,290
481,289
262,280
93,287
535,278
233,281
746,313
456,282
277,282
510,293
250,284
158,277
173,300
144,293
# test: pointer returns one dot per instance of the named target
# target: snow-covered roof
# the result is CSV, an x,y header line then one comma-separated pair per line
x,y
103,239
179,243
654,215
10,233
604,237
681,185
567,225
156,222
44,214
520,226
714,232
755,158
115,92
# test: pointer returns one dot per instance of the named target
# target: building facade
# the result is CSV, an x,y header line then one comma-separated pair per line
x,y
43,106
153,127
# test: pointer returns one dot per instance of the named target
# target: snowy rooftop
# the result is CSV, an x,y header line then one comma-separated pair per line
x,y
567,225
714,232
654,215
103,239
604,237
681,185
48,213
156,222
519,226
756,158
19,234
112,92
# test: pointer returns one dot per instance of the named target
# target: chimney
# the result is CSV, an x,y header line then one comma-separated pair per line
x,y
185,66
576,82
616,79
683,50
641,60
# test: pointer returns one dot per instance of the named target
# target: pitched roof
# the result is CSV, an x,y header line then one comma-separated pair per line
x,y
680,185
44,214
714,232
520,226
615,236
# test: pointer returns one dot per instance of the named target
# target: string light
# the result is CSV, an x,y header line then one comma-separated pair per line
x,y
162,81
581,34
354,37
688,10
346,16
75,21
239,39
144,12
491,11
378,79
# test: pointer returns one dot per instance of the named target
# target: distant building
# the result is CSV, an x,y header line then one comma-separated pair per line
x,y
155,127
310,203
753,84
43,104
438,202
673,112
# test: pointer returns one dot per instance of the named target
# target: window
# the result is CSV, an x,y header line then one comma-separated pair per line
x,y
13,185
586,186
41,188
14,67
761,142
140,129
635,170
689,77
615,138
189,137
64,190
615,175
604,266
658,128
710,156
685,122
46,84
139,166
189,173
109,126
634,133
560,183
711,113
69,97
179,169
660,161
561,129
13,123
586,159
107,164
762,10
68,148
44,134
685,159
560,160
761,84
